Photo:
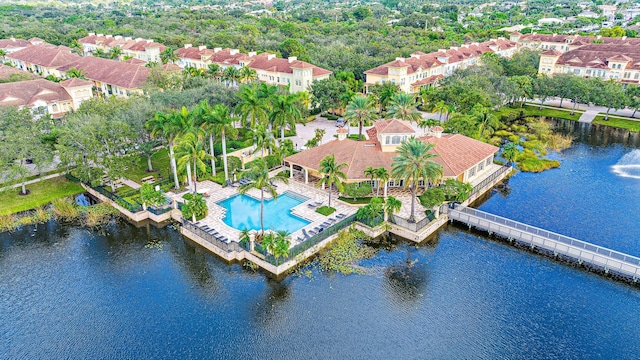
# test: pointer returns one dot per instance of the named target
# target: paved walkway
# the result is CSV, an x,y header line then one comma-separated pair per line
x,y
32,181
132,184
567,105
588,116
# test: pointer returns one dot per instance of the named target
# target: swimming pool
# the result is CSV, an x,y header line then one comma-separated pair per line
x,y
243,212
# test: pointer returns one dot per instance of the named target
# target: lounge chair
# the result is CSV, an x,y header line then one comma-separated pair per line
x,y
311,232
331,220
304,232
325,224
223,239
300,238
321,230
318,203
340,216
311,206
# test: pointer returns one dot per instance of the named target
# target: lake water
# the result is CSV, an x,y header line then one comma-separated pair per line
x,y
68,292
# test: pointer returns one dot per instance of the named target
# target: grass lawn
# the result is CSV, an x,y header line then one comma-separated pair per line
x,y
325,210
350,200
160,162
532,110
631,125
42,193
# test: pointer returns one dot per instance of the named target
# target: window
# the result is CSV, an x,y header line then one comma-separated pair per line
x,y
481,166
635,77
395,140
387,141
298,82
472,171
626,75
488,162
404,138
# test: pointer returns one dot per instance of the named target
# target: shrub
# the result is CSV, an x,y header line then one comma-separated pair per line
x,y
325,210
196,206
455,190
356,190
432,197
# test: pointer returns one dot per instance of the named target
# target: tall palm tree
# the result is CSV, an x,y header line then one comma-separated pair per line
x,y
413,164
331,174
391,206
370,172
189,150
253,108
99,52
231,75
487,122
383,176
170,126
260,179
440,107
387,91
115,52
284,112
168,56
282,243
403,107
76,73
510,152
221,117
209,127
360,111
247,75
215,71
263,140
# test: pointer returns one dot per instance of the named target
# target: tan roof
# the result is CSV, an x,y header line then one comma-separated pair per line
x,y
127,76
576,39
26,93
135,61
456,153
45,55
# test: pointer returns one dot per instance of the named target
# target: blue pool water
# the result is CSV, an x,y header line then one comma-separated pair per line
x,y
243,212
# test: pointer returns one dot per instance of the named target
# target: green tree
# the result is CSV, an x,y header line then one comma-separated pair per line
x,y
382,175
610,95
441,108
195,208
260,180
370,172
220,117
253,108
510,152
384,93
231,74
281,244
403,107
292,47
543,87
149,196
247,75
362,12
413,164
169,56
360,111
633,94
331,174
391,206
189,150
284,113
326,93
263,140
76,73
115,53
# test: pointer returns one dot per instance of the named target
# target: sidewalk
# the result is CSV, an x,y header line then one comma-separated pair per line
x,y
567,105
32,181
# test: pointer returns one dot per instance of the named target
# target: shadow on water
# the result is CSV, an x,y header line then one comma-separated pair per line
x,y
407,280
596,134
267,309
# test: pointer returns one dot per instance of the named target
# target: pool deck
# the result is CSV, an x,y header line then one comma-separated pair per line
x,y
217,193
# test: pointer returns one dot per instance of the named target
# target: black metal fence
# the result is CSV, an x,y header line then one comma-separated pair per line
x,y
490,179
372,222
134,208
159,210
310,242
227,247
416,226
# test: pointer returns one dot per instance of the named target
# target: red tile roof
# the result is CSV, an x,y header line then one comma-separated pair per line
x,y
45,55
456,153
393,126
75,82
127,76
13,43
6,71
26,93
598,56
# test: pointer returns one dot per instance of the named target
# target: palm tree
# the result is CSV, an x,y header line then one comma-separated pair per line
x,y
209,127
263,140
259,176
370,172
359,111
383,176
168,56
220,116
332,174
214,70
99,52
282,243
403,107
440,107
391,206
115,52
486,121
252,108
425,124
268,242
510,152
76,73
284,112
3,53
413,164
231,74
170,126
247,74
387,92
190,150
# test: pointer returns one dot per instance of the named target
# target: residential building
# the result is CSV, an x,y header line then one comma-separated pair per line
x,y
461,157
421,69
608,11
46,97
111,77
296,74
12,45
631,13
618,62
7,72
563,43
43,59
146,50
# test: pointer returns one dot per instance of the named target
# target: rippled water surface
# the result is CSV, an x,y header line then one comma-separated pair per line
x,y
68,292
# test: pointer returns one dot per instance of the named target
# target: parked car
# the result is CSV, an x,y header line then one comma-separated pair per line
x,y
340,122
